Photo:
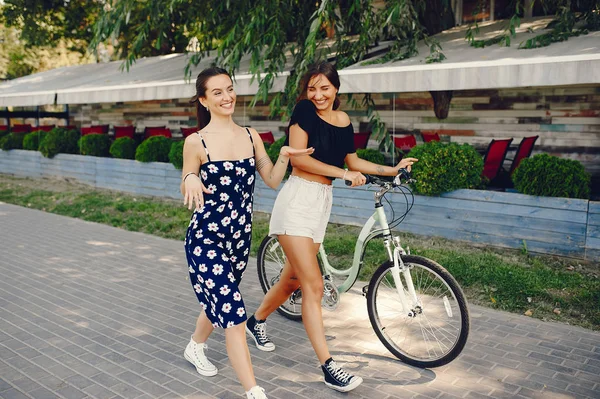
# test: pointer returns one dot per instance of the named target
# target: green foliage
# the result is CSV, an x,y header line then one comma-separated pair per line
x,y
124,148
371,155
47,22
3,133
571,19
32,140
96,145
59,141
176,154
154,149
550,176
562,28
12,141
33,40
273,150
445,167
264,31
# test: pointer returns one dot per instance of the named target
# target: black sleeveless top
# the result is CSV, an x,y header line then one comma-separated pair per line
x,y
331,143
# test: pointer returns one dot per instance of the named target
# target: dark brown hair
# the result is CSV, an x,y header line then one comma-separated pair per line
x,y
202,114
320,68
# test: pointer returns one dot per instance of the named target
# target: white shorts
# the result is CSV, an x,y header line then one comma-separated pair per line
x,y
302,208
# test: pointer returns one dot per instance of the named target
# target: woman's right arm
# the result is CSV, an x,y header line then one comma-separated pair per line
x,y
191,187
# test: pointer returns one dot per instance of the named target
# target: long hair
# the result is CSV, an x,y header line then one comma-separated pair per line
x,y
202,114
320,68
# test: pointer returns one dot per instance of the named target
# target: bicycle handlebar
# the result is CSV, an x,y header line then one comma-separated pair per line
x,y
403,174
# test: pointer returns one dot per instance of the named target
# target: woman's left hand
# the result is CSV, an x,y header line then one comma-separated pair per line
x,y
288,151
406,163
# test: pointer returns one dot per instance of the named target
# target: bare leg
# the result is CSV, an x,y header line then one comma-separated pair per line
x,y
239,355
203,329
278,293
302,255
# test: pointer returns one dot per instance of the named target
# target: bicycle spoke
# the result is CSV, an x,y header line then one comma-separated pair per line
x,y
430,328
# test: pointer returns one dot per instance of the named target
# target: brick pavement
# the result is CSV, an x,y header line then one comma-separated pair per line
x,y
91,311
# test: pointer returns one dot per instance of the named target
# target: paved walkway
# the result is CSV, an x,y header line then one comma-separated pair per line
x,y
88,310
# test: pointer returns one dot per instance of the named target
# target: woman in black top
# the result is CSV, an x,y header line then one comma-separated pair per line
x,y
303,206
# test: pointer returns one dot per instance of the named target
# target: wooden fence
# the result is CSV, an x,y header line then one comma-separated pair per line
x,y
561,226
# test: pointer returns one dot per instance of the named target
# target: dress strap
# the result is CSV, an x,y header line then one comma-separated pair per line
x,y
205,147
251,140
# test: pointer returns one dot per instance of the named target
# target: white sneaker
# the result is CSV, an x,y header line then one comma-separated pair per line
x,y
194,353
256,392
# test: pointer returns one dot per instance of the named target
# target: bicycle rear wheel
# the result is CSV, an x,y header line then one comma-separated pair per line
x,y
435,330
270,262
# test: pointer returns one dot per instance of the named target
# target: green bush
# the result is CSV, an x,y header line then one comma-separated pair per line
x,y
445,167
154,149
59,141
12,141
371,155
32,140
96,145
176,154
273,150
123,148
551,176
3,133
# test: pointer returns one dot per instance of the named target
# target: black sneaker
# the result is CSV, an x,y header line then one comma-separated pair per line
x,y
258,331
337,378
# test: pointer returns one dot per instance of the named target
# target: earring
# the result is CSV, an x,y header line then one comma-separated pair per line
x,y
206,108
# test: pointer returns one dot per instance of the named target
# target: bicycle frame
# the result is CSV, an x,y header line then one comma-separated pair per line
x,y
394,249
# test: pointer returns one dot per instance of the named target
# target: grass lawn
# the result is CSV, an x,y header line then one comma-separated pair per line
x,y
545,287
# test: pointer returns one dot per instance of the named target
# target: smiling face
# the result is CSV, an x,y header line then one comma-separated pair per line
x,y
220,96
321,92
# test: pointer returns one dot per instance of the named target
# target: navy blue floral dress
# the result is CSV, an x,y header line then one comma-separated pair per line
x,y
217,242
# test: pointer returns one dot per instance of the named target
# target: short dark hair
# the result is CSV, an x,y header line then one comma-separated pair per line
x,y
320,68
201,113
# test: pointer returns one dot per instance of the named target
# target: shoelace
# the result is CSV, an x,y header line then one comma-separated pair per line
x,y
261,331
338,372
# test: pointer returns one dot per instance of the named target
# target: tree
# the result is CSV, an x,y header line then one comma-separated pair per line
x,y
47,22
17,60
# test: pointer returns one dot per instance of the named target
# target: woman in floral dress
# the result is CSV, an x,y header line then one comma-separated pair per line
x,y
219,165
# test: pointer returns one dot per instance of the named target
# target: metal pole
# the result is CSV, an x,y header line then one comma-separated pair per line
x,y
393,128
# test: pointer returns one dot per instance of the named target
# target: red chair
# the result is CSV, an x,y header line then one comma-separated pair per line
x,y
45,128
405,143
149,129
158,132
267,137
21,128
91,130
105,128
186,131
494,158
361,139
523,151
124,131
427,137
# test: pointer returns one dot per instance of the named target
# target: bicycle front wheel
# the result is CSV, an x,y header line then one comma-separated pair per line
x,y
434,330
270,262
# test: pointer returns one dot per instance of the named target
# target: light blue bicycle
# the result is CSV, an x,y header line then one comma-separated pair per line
x,y
416,308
